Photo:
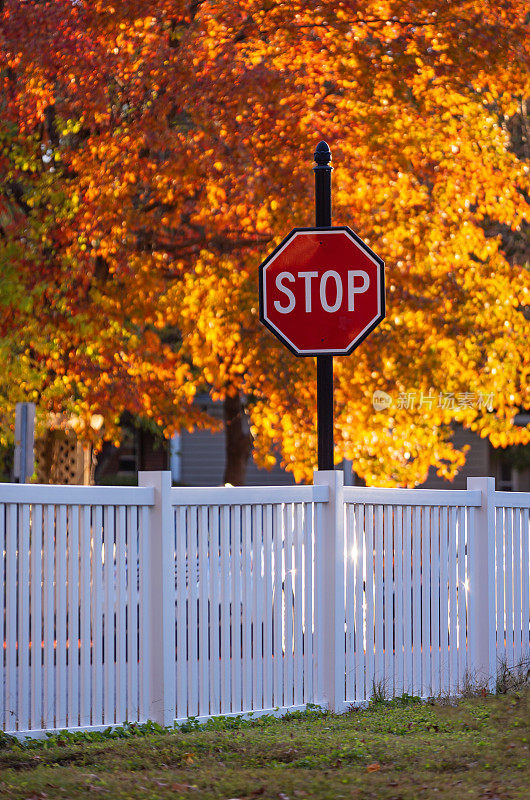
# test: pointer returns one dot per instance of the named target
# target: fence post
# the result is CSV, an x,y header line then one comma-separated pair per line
x,y
161,648
482,583
331,642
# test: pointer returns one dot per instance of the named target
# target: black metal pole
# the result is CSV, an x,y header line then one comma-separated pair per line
x,y
324,363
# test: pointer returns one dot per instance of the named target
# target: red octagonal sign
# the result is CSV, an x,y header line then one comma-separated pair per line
x,y
322,291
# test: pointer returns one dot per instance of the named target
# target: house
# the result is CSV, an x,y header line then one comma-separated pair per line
x,y
195,459
198,459
511,473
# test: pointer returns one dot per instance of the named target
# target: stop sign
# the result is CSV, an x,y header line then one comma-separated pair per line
x,y
322,291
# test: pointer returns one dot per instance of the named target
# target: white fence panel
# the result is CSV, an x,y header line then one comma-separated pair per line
x,y
70,607
406,591
244,599
512,568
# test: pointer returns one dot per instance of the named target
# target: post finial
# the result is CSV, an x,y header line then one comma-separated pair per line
x,y
322,154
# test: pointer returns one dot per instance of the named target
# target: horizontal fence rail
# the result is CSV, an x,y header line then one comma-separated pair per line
x,y
76,495
412,497
152,602
247,495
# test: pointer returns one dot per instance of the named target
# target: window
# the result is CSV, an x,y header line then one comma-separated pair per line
x,y
505,476
128,453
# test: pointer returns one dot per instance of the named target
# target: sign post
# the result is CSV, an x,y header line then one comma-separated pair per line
x,y
324,362
23,463
322,291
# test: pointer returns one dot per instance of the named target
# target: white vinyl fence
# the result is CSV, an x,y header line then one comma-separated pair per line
x,y
244,598
127,604
73,608
407,565
509,552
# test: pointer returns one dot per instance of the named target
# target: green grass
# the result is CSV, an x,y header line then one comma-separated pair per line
x,y
477,749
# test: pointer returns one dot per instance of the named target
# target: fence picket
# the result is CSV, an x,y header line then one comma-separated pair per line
x,y
444,602
97,618
308,540
226,572
144,606
60,617
319,607
435,600
215,632
202,578
470,596
235,621
23,619
407,601
453,580
517,627
193,620
73,615
84,603
132,615
417,682
182,643
525,588
426,601
379,667
388,554
121,611
359,561
257,608
398,601
369,599
48,616
298,689
246,607
268,577
349,585
461,598
108,621
11,618
508,584
288,600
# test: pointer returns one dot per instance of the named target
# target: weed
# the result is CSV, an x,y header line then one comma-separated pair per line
x,y
379,695
511,679
472,686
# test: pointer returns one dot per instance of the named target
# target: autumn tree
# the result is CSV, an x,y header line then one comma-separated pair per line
x,y
76,337
181,135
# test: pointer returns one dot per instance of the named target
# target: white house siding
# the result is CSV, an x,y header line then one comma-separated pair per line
x,y
202,462
478,461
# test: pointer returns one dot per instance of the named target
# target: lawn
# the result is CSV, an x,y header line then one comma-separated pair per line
x,y
402,749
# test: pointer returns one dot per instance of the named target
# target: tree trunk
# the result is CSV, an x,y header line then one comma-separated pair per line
x,y
238,441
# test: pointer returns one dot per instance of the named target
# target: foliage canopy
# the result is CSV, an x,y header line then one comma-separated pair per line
x,y
153,153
